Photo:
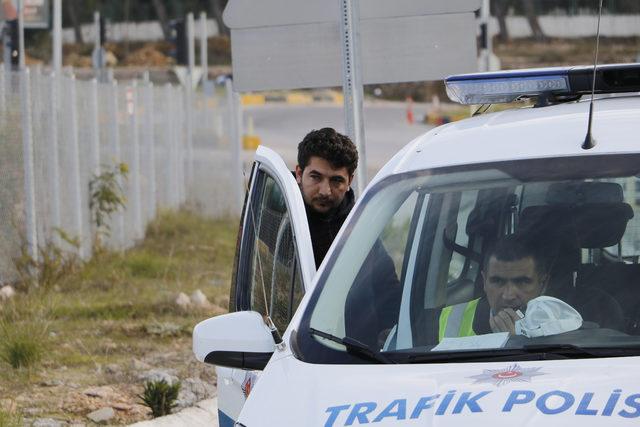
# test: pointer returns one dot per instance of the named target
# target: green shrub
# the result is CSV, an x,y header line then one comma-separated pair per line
x,y
10,419
145,265
22,345
160,397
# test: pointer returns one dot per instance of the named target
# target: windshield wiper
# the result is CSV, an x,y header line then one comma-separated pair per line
x,y
526,352
577,352
354,347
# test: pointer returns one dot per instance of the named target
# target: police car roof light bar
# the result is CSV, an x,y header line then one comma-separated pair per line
x,y
554,84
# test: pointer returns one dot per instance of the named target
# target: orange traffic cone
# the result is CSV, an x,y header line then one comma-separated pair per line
x,y
409,110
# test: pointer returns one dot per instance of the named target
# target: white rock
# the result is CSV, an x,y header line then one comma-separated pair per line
x,y
6,292
193,390
102,415
139,365
199,299
100,392
183,300
48,422
158,375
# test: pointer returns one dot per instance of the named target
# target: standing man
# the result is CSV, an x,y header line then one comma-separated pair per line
x,y
327,161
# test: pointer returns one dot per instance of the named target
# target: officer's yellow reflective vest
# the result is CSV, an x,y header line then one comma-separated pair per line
x,y
457,320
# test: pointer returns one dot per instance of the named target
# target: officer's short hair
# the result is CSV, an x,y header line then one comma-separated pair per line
x,y
330,145
515,247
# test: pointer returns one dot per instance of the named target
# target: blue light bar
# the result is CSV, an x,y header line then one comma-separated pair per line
x,y
508,86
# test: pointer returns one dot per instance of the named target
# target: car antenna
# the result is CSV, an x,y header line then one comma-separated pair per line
x,y
589,142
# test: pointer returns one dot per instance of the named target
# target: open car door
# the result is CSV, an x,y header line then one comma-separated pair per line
x,y
273,267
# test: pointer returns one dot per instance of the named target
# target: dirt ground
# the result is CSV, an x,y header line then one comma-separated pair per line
x,y
104,328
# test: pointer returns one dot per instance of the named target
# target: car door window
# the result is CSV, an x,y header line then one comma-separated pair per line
x,y
271,282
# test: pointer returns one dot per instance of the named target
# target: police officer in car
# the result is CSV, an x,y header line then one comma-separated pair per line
x,y
514,272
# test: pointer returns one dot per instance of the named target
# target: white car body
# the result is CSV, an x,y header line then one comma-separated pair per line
x,y
589,392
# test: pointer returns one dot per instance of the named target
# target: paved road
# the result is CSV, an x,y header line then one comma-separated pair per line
x,y
282,126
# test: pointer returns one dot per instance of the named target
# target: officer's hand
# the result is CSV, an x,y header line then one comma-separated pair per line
x,y
504,321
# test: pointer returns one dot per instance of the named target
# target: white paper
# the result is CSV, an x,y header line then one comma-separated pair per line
x,y
476,342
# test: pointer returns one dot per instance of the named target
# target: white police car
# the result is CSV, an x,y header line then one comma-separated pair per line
x,y
354,353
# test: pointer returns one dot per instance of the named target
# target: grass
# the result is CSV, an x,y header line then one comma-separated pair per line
x,y
9,419
115,308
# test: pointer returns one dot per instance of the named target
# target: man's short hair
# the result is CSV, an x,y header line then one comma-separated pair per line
x,y
330,145
515,247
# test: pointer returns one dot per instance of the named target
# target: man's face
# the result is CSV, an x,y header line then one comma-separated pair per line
x,y
512,284
323,187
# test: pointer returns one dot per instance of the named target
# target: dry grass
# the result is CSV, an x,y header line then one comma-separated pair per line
x,y
87,329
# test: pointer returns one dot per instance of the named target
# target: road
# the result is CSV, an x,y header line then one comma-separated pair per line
x,y
281,127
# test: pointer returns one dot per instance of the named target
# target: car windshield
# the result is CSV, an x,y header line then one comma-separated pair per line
x,y
509,256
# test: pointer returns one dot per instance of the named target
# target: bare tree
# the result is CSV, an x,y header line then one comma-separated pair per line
x,y
217,7
500,10
72,11
532,18
161,13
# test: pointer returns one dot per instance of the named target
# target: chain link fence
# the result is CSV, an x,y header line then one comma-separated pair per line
x,y
57,134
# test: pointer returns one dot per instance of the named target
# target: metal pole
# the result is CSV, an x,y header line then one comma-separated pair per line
x,y
54,162
28,160
204,60
3,101
21,33
74,152
486,42
57,37
115,150
352,84
235,119
94,128
150,147
168,146
191,51
135,167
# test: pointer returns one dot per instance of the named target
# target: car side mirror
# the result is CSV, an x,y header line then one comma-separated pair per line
x,y
235,340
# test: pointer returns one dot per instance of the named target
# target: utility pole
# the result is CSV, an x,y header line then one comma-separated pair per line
x,y
352,84
203,48
21,60
57,37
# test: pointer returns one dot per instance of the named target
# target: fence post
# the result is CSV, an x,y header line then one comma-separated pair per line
x,y
54,155
150,149
94,129
28,163
115,150
188,119
3,100
180,146
76,184
132,105
235,119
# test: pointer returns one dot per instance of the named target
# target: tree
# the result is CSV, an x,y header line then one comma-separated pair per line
x,y
216,7
500,8
161,13
532,18
72,8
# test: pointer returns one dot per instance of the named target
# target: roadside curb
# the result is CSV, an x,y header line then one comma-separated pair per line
x,y
204,414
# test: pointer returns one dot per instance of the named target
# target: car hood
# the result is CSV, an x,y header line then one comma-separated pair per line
x,y
595,392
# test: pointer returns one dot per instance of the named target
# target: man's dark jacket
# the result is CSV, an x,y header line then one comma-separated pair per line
x,y
324,227
374,299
